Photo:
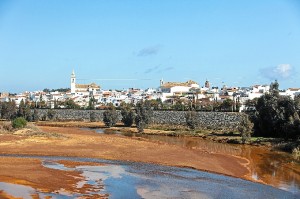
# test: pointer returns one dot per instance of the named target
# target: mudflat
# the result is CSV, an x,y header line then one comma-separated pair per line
x,y
76,142
87,143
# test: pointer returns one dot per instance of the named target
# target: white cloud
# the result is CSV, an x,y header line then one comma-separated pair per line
x,y
280,72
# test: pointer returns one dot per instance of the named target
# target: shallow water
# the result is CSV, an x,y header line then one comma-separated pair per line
x,y
278,169
19,191
140,180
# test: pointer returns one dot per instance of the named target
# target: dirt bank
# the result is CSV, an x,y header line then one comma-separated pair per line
x,y
31,173
86,143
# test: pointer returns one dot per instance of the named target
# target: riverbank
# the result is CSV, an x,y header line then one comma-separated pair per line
x,y
80,141
220,136
75,142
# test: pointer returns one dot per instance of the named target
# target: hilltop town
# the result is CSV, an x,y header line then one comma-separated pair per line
x,y
176,95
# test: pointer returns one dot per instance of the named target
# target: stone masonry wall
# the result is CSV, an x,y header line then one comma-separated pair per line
x,y
215,120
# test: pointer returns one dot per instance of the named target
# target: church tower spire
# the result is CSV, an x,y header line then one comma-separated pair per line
x,y
73,82
161,81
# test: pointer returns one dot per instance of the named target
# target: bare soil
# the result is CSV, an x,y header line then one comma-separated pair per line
x,y
76,142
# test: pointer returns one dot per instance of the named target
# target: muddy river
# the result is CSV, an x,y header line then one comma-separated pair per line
x,y
276,168
121,179
117,179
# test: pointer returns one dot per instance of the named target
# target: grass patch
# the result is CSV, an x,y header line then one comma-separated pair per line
x,y
6,127
71,124
45,134
30,130
35,131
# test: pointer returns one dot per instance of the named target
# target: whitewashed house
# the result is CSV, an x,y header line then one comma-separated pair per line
x,y
169,89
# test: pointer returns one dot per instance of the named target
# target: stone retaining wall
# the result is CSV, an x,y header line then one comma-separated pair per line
x,y
214,120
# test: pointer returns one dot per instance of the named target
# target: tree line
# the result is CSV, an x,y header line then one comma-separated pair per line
x,y
141,115
271,115
274,115
175,103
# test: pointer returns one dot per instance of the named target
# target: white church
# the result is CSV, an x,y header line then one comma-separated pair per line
x,y
83,89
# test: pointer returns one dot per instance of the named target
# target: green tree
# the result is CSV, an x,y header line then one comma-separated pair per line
x,y
51,114
35,116
93,116
21,109
92,102
55,104
46,90
276,116
250,104
70,104
297,102
8,110
156,104
110,117
191,119
227,105
217,106
179,104
144,114
274,88
24,110
128,115
245,128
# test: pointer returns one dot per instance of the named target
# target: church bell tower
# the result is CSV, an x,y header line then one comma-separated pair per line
x,y
73,82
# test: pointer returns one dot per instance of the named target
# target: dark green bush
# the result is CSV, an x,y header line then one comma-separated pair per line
x,y
110,117
19,122
128,115
144,114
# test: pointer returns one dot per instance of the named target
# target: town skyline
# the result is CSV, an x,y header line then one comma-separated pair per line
x,y
90,81
125,44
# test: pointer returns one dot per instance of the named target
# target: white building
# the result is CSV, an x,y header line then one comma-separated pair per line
x,y
291,92
83,89
169,89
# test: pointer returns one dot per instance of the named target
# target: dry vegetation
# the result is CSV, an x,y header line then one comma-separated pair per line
x,y
5,127
78,124
31,130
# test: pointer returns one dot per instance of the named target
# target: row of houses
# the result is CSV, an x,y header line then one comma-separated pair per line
x,y
167,92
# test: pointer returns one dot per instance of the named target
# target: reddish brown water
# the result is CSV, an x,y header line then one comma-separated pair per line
x,y
275,168
278,169
119,179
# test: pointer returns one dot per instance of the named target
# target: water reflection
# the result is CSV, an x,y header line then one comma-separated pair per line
x,y
18,191
140,180
272,167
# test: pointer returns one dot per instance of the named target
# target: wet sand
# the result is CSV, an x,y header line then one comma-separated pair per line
x,y
31,173
85,143
75,142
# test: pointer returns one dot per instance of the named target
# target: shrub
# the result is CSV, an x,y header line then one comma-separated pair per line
x,y
128,116
191,119
19,122
110,117
8,110
93,116
144,115
35,116
245,128
50,114
5,126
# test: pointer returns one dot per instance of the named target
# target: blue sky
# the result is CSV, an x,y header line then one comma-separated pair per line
x,y
122,44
